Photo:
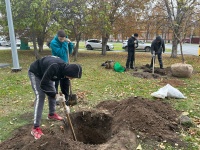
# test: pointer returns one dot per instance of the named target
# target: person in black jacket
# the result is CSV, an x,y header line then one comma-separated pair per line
x,y
42,73
157,47
132,45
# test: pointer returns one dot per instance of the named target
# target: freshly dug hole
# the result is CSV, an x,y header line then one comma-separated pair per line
x,y
92,127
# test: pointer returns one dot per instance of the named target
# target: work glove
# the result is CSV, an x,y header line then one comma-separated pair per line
x,y
67,109
61,99
67,40
153,54
58,98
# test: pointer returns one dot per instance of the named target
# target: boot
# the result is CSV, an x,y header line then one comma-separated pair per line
x,y
161,67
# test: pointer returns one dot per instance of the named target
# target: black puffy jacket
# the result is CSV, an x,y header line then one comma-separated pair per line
x,y
52,68
132,44
158,45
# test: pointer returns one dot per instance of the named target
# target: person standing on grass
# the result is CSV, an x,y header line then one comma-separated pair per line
x,y
132,45
42,73
61,46
157,47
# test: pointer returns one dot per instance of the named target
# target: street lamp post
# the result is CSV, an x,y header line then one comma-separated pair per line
x,y
16,66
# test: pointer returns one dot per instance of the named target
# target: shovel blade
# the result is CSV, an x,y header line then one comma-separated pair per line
x,y
72,100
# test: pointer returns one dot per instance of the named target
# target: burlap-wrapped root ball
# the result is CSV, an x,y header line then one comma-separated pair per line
x,y
182,70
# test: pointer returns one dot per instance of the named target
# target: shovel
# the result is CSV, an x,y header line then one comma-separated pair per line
x,y
62,100
72,97
153,56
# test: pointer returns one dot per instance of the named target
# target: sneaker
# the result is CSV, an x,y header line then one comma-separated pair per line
x,y
55,117
37,133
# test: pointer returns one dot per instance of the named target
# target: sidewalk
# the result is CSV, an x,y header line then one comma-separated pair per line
x,y
4,65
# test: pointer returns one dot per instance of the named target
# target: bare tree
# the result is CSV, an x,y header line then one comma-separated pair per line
x,y
180,15
73,19
107,12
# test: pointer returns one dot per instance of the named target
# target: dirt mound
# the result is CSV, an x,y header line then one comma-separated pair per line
x,y
111,125
146,72
152,119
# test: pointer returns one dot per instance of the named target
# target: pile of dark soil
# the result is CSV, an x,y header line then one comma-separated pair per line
x,y
111,125
146,72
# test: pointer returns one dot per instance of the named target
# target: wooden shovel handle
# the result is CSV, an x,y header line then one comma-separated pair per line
x,y
69,121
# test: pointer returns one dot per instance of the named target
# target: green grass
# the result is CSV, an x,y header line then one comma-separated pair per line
x,y
99,84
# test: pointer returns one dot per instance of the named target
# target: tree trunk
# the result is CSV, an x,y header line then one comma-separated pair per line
x,y
37,56
104,44
174,47
147,32
183,60
75,53
40,41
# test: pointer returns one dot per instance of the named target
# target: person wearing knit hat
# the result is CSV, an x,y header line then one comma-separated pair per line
x,y
157,48
42,73
61,46
132,45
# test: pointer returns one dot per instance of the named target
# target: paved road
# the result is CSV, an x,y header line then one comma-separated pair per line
x,y
6,48
191,49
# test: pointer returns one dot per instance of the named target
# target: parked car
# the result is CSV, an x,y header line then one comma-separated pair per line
x,y
8,43
97,44
3,41
141,46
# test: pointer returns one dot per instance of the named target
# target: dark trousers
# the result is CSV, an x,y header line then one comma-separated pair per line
x,y
159,60
130,59
64,83
40,98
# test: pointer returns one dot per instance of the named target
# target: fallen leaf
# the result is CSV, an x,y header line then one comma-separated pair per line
x,y
15,102
162,146
176,144
185,113
139,147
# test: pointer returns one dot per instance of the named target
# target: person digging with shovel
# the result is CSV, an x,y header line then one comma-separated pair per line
x,y
43,73
157,47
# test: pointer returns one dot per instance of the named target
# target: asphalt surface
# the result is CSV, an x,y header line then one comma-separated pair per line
x,y
190,49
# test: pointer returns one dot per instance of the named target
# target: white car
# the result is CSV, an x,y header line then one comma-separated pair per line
x,y
3,41
8,43
97,44
141,46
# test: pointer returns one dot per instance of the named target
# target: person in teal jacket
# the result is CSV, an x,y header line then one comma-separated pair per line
x,y
61,46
